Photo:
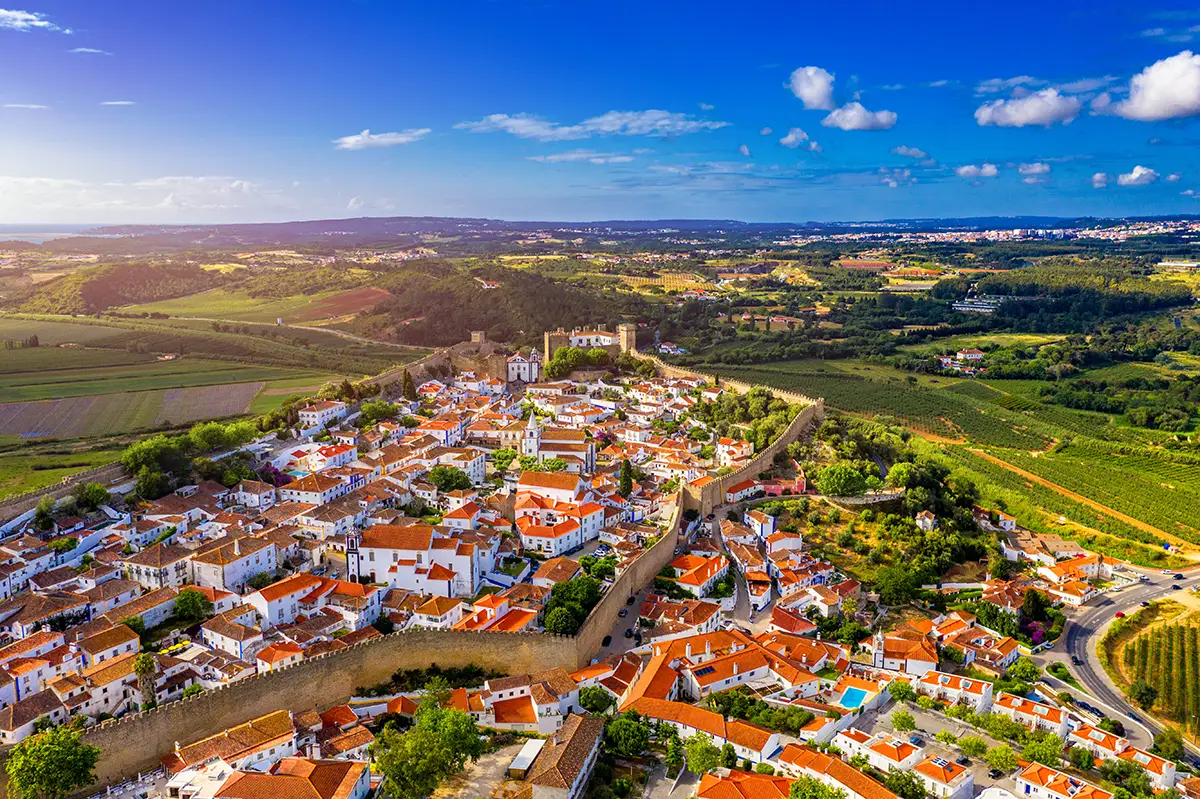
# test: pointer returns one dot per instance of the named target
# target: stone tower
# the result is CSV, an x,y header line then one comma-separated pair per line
x,y
627,334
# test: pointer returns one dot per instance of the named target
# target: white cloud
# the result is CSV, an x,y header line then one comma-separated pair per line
x,y
584,156
1190,193
29,106
814,87
794,138
361,141
1085,85
118,102
1174,177
355,204
614,123
852,116
744,150
1140,176
1167,89
89,51
1153,32
1045,107
996,85
894,178
1035,168
1100,180
937,84
910,152
765,132
972,171
707,106
25,21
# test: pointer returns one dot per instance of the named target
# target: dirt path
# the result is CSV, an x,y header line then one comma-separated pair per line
x,y
1091,503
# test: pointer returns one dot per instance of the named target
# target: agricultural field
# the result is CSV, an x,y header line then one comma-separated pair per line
x,y
51,333
1168,658
108,414
93,372
1111,487
955,343
25,470
238,306
265,344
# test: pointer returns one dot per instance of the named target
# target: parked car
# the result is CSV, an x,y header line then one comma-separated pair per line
x,y
1145,604
631,600
629,633
915,740
623,613
607,640
1120,614
995,774
963,760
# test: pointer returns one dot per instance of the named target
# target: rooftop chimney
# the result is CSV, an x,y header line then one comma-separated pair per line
x,y
237,546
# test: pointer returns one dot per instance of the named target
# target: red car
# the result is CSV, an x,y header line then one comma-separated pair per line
x,y
1120,614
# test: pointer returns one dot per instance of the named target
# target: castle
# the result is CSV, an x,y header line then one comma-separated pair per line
x,y
622,341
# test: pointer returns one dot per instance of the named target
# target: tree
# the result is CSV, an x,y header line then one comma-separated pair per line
x,y
261,580
625,481
1001,757
407,387
437,746
1143,693
378,410
449,478
675,754
702,755
90,496
1047,751
729,757
895,584
51,765
194,689
903,721
1024,669
503,458
901,691
43,515
1035,606
626,737
947,737
807,787
145,667
595,699
925,702
561,621
841,480
902,475
972,745
192,605
1169,744
1081,758
904,784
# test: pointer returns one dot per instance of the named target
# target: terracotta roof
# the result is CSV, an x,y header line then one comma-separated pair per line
x,y
297,778
563,757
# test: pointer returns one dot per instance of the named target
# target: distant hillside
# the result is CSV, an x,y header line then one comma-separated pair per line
x,y
96,289
435,304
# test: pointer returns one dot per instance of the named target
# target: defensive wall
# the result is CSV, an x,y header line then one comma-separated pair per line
x,y
23,503
135,742
709,496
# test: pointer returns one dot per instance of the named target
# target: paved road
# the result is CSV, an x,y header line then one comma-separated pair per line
x,y
1082,634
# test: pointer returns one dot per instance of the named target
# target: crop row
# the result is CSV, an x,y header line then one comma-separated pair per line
x,y
1168,658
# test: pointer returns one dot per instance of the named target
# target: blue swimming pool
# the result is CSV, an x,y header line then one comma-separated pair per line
x,y
852,698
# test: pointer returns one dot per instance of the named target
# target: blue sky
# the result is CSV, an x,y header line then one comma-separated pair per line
x,y
182,111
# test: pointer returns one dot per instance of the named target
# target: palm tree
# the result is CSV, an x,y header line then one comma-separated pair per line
x,y
145,667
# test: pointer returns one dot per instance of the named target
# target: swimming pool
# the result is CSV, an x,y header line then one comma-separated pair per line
x,y
852,698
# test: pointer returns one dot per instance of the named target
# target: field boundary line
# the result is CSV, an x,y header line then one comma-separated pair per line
x,y
1091,503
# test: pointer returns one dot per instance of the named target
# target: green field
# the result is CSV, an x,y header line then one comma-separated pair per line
x,y
1123,469
22,471
51,333
105,377
954,343
233,305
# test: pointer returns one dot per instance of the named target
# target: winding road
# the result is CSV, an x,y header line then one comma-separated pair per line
x,y
1081,636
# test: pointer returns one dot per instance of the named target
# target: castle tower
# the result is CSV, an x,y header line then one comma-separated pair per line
x,y
627,334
